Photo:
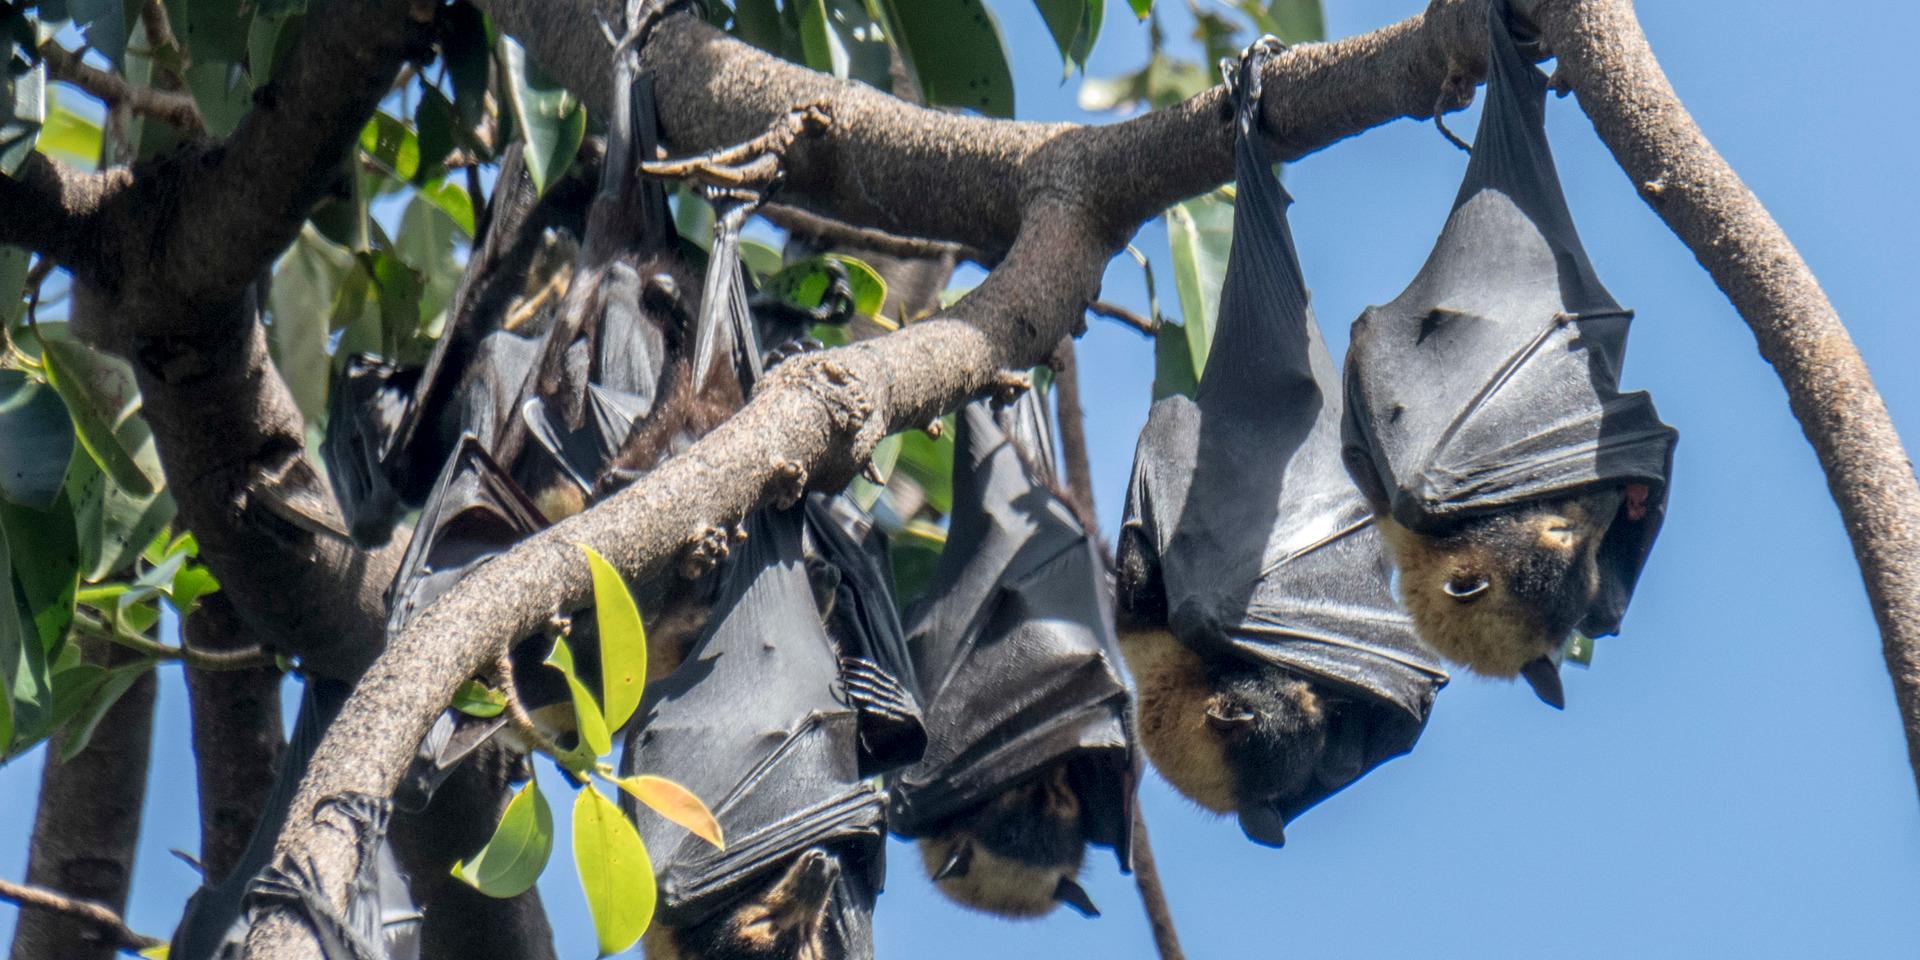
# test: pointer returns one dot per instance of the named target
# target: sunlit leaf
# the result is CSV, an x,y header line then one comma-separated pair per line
x,y
24,102
886,454
676,803
476,699
841,37
958,52
451,198
300,305
1200,231
425,242
1141,8
70,136
36,440
550,119
804,284
623,641
615,872
929,462
513,859
156,952
1075,25
391,145
100,396
1296,21
586,713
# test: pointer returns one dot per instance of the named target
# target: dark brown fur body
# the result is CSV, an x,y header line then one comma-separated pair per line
x,y
1015,849
786,919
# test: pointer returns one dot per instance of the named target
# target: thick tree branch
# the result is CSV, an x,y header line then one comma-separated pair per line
x,y
1606,59
88,825
51,207
167,106
236,737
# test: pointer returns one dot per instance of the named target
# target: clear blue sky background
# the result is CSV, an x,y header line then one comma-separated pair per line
x,y
1729,778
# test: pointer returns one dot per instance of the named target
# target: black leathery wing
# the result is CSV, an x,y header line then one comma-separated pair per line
x,y
1492,381
1244,541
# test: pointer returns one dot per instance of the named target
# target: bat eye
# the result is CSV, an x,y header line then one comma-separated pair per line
x,y
1466,589
1557,536
1228,720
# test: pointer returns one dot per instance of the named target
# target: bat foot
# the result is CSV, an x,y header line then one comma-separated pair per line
x,y
704,551
1007,387
748,171
789,483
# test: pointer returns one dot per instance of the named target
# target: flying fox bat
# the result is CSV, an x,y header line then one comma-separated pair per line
x,y
763,723
1520,490
381,922
1271,664
1028,758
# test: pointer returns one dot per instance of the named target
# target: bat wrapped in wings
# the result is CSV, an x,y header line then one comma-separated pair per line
x,y
1028,757
1520,489
1271,664
763,724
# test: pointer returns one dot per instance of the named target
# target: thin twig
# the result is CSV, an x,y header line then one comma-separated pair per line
x,y
836,233
517,716
85,910
211,660
1113,311
153,14
756,165
1153,895
1073,435
173,109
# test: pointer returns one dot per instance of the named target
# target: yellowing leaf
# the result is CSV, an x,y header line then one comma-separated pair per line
x,y
677,804
614,869
586,713
623,642
510,862
156,952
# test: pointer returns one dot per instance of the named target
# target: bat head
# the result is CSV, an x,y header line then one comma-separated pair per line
x,y
786,919
1501,593
1016,855
1235,737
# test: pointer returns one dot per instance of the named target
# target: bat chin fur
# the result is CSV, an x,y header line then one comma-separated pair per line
x,y
784,920
1170,690
1499,591
1016,849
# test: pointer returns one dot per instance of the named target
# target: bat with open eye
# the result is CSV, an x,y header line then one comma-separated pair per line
x,y
762,723
1028,758
1271,665
381,921
1519,488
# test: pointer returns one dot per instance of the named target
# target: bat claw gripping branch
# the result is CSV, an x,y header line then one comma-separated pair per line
x,y
705,550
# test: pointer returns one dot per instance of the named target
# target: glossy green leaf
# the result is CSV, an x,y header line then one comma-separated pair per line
x,y
189,585
551,120
615,872
452,199
513,859
24,102
929,463
842,37
114,685
1200,231
1141,8
100,396
957,50
36,441
300,306
476,699
586,713
391,145
676,803
1075,25
623,641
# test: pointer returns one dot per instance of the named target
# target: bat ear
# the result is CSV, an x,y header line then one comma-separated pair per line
x,y
1228,719
957,865
1263,824
1070,892
1543,675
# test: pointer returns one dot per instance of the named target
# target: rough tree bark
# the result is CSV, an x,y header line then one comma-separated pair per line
x,y
237,738
88,825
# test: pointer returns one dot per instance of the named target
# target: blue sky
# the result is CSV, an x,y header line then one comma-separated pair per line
x,y
1729,778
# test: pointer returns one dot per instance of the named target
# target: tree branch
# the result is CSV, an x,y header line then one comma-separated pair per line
x,y
236,737
88,825
1153,893
167,106
86,912
1073,436
1605,58
51,207
1114,311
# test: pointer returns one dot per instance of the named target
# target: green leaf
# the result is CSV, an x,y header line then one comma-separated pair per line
x,y
929,463
425,242
762,260
48,585
23,659
105,23
551,120
24,99
6,722
113,686
886,453
759,22
433,118
476,699
1174,371
36,441
513,859
72,137
112,525
1075,25
1141,8
956,48
391,145
399,289
1296,21
1580,650
841,37
586,713
915,549
465,46
222,91
676,803
300,306
1200,231
100,396
805,283
453,200
623,641
615,871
